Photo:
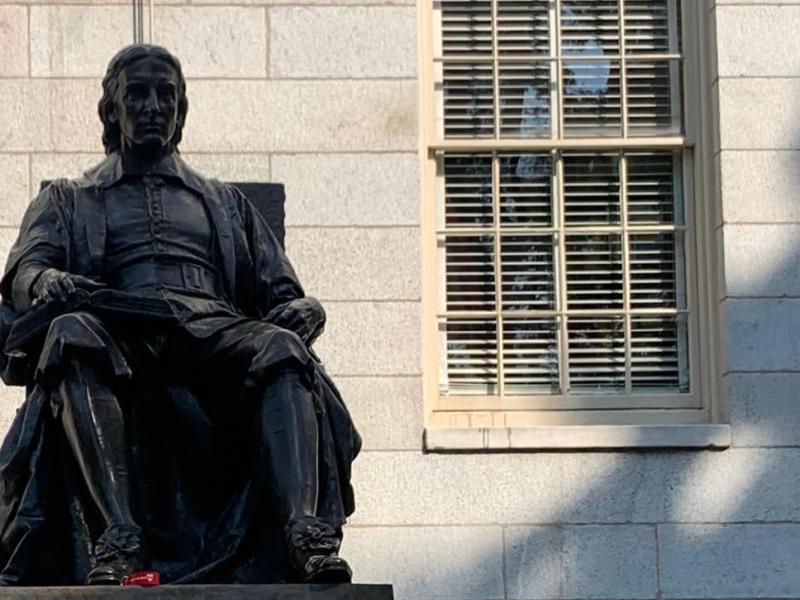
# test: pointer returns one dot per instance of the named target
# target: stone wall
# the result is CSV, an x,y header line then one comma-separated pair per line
x,y
322,96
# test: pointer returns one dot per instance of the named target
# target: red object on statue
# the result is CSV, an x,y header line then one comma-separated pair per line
x,y
146,578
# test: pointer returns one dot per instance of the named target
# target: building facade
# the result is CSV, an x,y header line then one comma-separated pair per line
x,y
558,244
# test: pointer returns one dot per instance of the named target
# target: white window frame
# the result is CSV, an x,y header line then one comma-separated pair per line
x,y
464,423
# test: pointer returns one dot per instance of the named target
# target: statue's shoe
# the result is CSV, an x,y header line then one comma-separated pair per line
x,y
114,571
117,555
326,569
312,547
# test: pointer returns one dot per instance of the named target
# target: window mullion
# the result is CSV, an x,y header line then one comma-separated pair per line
x,y
623,71
556,29
561,296
626,267
498,271
495,73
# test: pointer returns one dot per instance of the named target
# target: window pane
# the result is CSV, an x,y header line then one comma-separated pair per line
x,y
467,27
526,189
654,97
591,188
592,100
468,94
654,188
523,27
649,26
596,354
470,351
659,357
527,271
468,190
594,271
525,99
654,265
590,27
469,268
530,356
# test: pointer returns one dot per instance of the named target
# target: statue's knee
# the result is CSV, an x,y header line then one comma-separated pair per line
x,y
72,326
290,339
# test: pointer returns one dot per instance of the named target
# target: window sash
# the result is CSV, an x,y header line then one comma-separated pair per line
x,y
557,142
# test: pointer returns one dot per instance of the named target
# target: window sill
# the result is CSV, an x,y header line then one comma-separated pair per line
x,y
576,437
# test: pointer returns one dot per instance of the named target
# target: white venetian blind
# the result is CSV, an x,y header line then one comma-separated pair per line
x,y
561,234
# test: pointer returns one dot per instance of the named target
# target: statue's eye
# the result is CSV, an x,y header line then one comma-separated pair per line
x,y
136,91
167,93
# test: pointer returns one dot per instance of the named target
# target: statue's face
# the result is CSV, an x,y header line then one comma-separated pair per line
x,y
146,105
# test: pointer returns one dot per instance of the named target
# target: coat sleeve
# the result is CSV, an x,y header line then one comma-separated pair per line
x,y
273,280
41,244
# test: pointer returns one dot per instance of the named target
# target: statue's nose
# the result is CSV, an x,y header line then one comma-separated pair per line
x,y
152,101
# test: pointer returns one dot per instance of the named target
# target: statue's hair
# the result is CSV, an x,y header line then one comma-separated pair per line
x,y
124,58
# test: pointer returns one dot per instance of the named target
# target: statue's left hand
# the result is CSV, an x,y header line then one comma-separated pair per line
x,y
304,316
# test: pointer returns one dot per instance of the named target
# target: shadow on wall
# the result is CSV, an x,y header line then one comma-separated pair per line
x,y
638,524
582,525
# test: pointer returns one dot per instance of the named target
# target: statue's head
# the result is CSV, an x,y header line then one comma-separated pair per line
x,y
144,101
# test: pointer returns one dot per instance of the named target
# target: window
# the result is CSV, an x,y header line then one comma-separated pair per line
x,y
563,229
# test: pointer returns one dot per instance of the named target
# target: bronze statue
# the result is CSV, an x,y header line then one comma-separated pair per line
x,y
176,418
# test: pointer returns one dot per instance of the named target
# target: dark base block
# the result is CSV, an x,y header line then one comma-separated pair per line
x,y
202,592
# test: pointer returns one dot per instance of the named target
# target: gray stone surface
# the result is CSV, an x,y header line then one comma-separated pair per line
x,y
75,126
335,115
268,2
387,411
296,116
729,561
232,167
330,42
772,175
24,103
14,193
49,166
349,189
356,263
580,562
762,260
757,485
758,41
743,104
206,592
371,338
228,116
10,400
762,334
764,408
402,488
13,41
215,41
77,41
429,563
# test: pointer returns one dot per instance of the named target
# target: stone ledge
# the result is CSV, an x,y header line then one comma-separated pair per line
x,y
203,592
576,437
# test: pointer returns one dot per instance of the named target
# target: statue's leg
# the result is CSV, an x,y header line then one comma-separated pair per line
x,y
276,363
288,426
76,360
288,429
95,430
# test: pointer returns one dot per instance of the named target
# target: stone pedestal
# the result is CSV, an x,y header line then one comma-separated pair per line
x,y
203,592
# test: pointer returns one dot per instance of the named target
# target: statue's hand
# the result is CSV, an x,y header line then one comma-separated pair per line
x,y
304,316
54,285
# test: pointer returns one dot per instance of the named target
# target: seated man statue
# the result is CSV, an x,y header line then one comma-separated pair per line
x,y
174,331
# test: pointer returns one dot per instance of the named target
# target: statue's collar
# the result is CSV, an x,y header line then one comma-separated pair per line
x,y
111,170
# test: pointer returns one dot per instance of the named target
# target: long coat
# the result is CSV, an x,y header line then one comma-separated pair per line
x,y
207,514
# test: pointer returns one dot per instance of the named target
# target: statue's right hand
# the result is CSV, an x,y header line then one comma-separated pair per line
x,y
57,285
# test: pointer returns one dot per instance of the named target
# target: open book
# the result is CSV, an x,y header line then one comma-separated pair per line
x,y
33,324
